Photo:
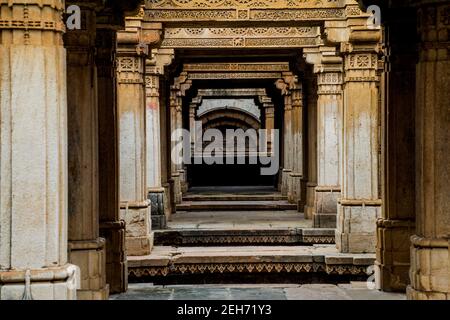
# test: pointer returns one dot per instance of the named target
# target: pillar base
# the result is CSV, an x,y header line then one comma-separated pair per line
x,y
156,197
393,254
59,283
137,216
177,192
116,256
356,225
326,204
285,181
90,256
102,294
310,200
430,269
294,187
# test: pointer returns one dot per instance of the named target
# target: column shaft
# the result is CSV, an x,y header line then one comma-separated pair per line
x,y
33,155
360,205
430,256
135,208
329,130
111,227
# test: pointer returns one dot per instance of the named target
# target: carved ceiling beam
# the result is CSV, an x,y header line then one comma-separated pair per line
x,y
253,37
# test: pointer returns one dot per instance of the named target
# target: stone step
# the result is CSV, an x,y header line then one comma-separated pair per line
x,y
210,264
235,205
242,237
234,197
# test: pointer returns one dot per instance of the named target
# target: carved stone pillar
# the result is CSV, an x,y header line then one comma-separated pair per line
x,y
175,122
287,137
311,106
430,255
329,131
33,154
111,227
360,205
134,205
396,225
155,189
86,248
269,117
196,102
156,193
297,181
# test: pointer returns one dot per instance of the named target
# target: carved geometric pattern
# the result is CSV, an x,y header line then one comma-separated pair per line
x,y
241,37
244,67
265,267
241,4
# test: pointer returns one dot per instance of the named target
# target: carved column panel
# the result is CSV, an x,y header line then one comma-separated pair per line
x,y
430,256
134,206
360,205
33,154
111,227
86,248
329,132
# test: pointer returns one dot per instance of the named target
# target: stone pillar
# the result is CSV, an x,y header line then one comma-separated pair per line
x,y
297,181
175,115
360,205
430,255
86,247
111,227
153,137
287,137
311,106
396,225
33,154
134,206
193,107
156,193
329,131
269,118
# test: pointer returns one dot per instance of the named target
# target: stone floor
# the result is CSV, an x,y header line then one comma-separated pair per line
x,y
239,220
351,291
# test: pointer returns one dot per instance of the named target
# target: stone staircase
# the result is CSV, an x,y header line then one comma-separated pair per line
x,y
244,237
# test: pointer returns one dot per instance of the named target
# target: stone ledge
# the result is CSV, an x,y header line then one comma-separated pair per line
x,y
217,260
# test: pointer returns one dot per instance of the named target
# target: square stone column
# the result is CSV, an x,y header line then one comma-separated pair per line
x,y
297,182
134,205
311,141
287,137
112,228
33,154
329,141
397,223
430,255
87,249
175,160
360,205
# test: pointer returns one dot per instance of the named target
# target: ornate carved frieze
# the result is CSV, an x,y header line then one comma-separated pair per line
x,y
241,37
262,10
266,267
25,20
237,67
130,69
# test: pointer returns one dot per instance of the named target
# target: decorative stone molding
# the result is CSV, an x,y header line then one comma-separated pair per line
x,y
256,37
